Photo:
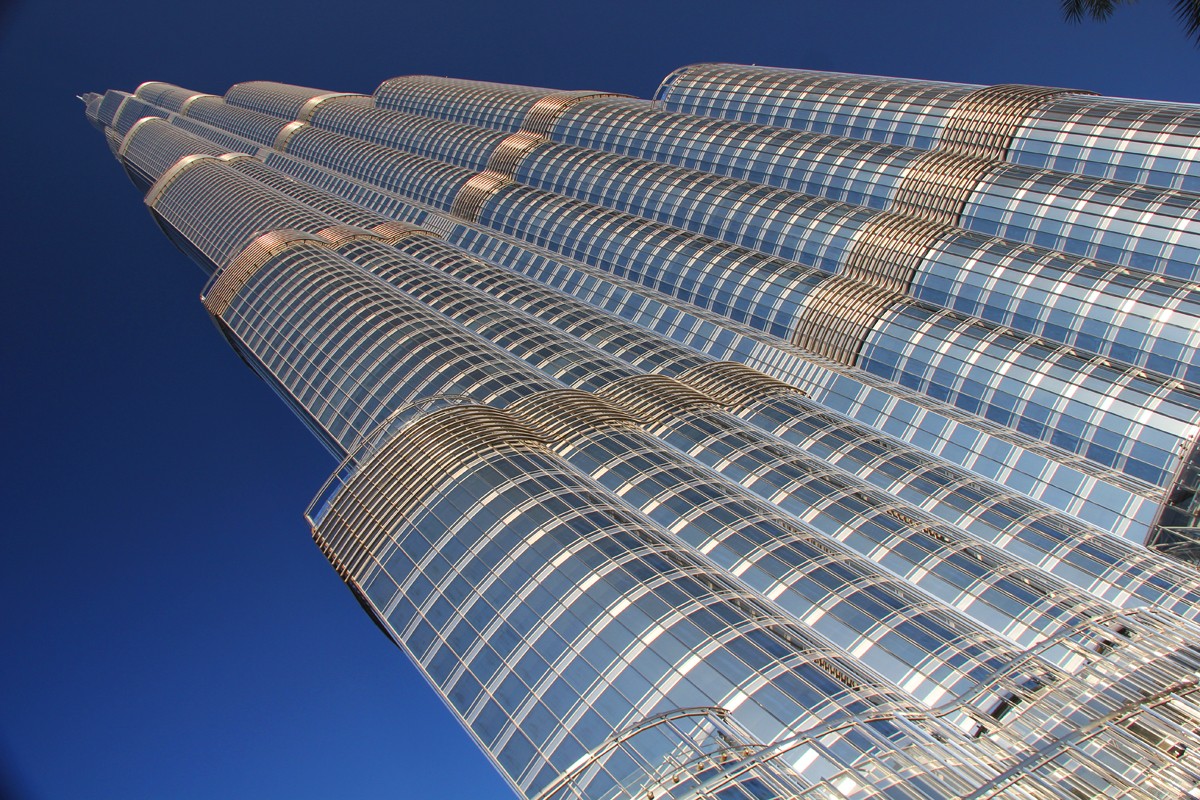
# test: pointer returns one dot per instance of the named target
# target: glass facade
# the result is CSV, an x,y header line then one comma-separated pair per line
x,y
789,435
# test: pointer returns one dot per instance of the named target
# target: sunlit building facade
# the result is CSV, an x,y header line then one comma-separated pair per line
x,y
788,435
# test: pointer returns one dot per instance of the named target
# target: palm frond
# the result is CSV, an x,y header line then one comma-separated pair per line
x,y
1079,10
1188,13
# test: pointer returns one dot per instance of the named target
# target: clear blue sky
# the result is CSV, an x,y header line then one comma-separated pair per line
x,y
168,628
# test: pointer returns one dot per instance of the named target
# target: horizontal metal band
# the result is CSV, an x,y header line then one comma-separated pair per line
x,y
563,414
147,84
310,106
160,186
475,192
511,150
143,85
889,249
653,398
286,133
734,384
937,185
392,232
838,315
186,104
406,468
338,235
226,283
983,123
132,130
542,115
386,232
155,192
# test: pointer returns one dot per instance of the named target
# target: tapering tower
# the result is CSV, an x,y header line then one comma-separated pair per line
x,y
789,435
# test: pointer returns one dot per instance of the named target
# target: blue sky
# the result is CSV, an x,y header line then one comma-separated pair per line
x,y
168,628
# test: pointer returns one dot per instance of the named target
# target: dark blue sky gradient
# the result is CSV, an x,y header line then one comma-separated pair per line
x,y
169,630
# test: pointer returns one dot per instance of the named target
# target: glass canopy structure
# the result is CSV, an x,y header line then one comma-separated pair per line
x,y
788,435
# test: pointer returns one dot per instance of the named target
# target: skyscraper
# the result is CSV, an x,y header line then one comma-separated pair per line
x,y
789,435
